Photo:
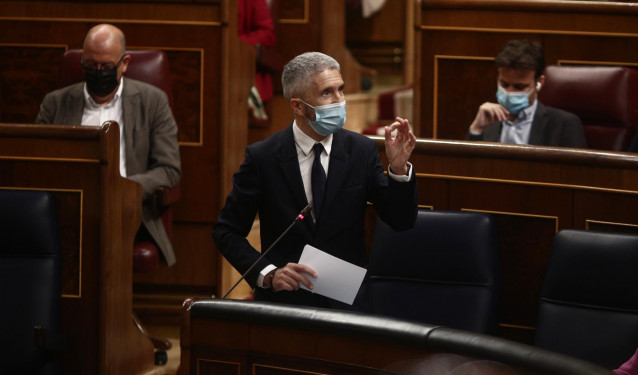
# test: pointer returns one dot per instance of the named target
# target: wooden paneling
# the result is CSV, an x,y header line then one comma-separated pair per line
x,y
27,73
477,77
69,207
314,25
378,42
448,91
187,69
532,193
211,72
99,214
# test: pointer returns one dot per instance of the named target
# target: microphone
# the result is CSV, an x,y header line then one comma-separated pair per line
x,y
299,217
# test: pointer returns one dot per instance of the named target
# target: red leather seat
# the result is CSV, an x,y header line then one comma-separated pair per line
x,y
386,108
605,99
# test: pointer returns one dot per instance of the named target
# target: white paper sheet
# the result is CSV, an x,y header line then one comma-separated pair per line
x,y
337,279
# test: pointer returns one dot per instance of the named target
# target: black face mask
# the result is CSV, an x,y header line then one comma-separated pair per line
x,y
101,82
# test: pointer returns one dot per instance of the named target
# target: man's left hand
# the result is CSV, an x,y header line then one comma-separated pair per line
x,y
399,148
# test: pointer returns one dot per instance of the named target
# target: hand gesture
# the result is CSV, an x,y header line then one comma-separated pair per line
x,y
487,114
399,148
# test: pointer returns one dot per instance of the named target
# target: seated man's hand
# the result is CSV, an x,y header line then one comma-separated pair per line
x,y
487,114
291,276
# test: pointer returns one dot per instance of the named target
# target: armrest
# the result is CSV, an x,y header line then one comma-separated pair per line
x,y
166,197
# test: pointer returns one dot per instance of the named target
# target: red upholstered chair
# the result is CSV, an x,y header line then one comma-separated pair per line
x,y
605,98
386,108
150,66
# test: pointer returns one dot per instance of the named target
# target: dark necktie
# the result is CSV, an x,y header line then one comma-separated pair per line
x,y
318,179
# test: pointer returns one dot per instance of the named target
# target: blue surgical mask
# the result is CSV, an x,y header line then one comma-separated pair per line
x,y
328,118
515,101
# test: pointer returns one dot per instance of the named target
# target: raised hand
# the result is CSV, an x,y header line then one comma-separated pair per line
x,y
399,148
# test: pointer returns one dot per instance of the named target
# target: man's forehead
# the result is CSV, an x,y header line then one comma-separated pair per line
x,y
515,74
327,78
109,53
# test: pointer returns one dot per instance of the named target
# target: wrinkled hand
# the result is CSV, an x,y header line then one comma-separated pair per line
x,y
399,148
291,276
487,114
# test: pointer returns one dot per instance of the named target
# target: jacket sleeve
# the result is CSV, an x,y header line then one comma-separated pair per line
x,y
396,202
164,165
236,219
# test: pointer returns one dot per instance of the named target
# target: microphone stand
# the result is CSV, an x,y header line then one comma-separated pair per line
x,y
299,217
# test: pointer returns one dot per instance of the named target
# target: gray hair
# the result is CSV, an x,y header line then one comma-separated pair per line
x,y
297,74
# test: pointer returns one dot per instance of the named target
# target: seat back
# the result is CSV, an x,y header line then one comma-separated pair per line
x,y
30,279
444,271
150,66
589,303
605,98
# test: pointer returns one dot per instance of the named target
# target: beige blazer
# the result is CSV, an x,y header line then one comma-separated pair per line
x,y
150,136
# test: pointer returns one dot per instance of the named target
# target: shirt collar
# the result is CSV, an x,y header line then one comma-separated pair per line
x,y
93,105
305,142
524,116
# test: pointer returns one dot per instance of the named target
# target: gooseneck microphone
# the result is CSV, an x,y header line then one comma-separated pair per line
x,y
299,217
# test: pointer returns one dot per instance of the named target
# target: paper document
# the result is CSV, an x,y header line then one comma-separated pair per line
x,y
337,279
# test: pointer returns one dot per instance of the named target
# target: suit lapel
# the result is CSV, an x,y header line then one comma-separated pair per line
x,y
337,168
75,106
493,132
538,125
130,101
289,164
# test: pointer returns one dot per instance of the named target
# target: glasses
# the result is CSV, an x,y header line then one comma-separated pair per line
x,y
101,66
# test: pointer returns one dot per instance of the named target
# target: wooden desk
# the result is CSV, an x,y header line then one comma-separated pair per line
x,y
532,192
99,213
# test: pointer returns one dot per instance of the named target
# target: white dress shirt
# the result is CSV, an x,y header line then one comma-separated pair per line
x,y
95,114
517,131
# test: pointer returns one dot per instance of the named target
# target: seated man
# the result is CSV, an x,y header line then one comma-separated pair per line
x,y
518,117
149,152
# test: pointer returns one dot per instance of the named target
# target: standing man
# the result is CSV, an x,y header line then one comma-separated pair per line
x,y
149,152
519,117
276,179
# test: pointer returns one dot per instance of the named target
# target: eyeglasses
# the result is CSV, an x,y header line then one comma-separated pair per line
x,y
101,66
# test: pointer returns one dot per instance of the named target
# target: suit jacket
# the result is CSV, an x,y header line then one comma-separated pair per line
x,y
269,183
150,136
550,127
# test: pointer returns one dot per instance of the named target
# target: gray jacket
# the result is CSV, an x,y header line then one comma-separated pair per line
x,y
150,136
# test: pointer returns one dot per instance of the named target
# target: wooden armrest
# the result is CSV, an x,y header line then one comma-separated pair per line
x,y
168,196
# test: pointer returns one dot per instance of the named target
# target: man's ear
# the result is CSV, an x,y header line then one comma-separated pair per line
x,y
540,83
125,61
297,106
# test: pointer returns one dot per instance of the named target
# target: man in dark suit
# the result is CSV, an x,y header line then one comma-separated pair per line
x,y
518,117
275,182
149,152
